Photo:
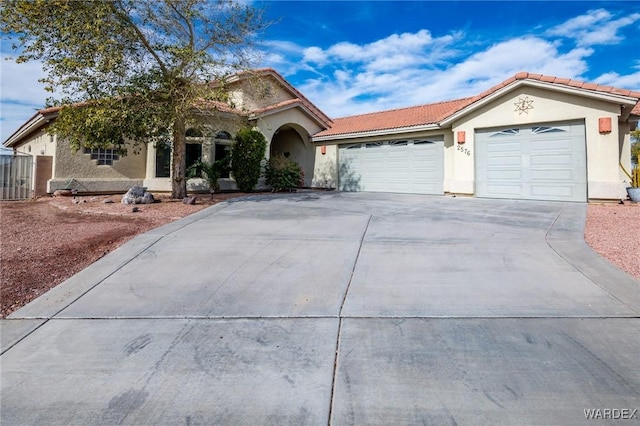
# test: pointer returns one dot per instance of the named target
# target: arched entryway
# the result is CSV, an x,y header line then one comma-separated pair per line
x,y
292,141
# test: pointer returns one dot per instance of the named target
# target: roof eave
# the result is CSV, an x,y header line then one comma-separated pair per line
x,y
37,121
605,96
380,132
299,105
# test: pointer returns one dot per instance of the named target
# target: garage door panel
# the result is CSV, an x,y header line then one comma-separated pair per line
x,y
505,174
534,162
393,167
550,145
552,191
506,189
501,146
551,160
552,175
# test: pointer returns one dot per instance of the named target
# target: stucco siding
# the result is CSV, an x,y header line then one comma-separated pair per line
x,y
270,124
545,106
71,164
39,144
325,173
254,94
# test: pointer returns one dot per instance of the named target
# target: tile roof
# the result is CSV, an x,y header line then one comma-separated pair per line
x,y
398,118
299,97
423,115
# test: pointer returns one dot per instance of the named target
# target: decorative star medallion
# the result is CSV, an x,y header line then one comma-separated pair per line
x,y
523,105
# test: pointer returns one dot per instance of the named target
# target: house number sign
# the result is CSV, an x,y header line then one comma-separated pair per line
x,y
464,150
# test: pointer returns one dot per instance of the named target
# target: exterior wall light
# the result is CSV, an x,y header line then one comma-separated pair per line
x,y
604,125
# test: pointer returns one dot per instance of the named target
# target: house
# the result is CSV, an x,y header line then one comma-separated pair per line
x,y
529,137
261,99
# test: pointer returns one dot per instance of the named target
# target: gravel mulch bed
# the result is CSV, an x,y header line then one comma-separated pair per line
x,y
613,231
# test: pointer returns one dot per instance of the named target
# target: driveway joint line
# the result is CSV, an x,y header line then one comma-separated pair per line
x,y
338,339
332,317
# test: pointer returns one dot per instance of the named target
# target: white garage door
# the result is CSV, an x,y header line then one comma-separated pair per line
x,y
541,162
415,167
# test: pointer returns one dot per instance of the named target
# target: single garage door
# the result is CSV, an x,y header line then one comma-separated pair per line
x,y
407,166
541,162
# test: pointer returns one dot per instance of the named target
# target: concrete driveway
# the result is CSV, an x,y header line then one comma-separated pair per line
x,y
332,308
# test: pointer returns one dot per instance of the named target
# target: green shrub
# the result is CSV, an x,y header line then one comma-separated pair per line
x,y
209,171
283,174
247,154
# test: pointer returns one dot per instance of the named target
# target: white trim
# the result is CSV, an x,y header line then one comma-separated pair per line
x,y
31,125
298,104
608,97
381,132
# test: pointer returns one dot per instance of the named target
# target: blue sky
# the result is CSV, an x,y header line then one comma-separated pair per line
x,y
361,56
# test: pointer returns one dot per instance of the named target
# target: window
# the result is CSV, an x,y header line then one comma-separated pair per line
x,y
193,154
104,157
542,129
163,160
506,132
223,152
374,145
223,135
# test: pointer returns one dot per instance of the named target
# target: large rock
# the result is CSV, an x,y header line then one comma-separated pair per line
x,y
137,195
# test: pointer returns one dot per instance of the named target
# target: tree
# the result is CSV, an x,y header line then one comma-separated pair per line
x,y
247,154
133,70
635,146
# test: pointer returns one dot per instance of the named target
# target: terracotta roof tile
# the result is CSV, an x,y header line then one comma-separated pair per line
x,y
398,118
49,110
434,113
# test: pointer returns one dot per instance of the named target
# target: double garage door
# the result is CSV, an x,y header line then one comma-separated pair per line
x,y
407,166
535,162
541,162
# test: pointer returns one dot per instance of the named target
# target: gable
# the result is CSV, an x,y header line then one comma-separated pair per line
x,y
264,91
442,114
531,104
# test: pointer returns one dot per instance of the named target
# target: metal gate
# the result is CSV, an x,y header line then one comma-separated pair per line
x,y
15,177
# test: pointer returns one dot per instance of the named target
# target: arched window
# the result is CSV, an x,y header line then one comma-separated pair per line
x,y
223,135
194,133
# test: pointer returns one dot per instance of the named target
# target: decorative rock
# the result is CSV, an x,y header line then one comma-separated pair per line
x,y
63,193
137,195
107,201
189,200
135,210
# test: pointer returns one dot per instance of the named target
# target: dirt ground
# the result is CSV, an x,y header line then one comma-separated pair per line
x,y
43,242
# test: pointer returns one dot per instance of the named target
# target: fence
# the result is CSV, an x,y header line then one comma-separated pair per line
x,y
15,177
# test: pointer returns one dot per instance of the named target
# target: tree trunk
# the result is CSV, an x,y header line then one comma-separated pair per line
x,y
179,160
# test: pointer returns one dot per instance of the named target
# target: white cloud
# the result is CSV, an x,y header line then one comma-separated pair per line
x,y
628,81
596,27
399,79
314,54
21,94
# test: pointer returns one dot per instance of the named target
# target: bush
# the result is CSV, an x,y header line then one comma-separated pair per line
x,y
247,154
209,171
283,174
